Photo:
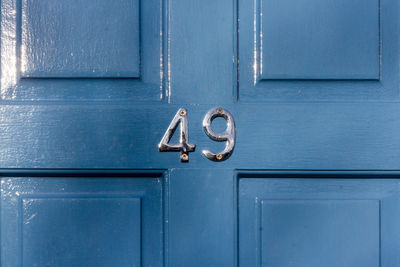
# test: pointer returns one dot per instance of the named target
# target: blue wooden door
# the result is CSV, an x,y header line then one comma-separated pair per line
x,y
89,87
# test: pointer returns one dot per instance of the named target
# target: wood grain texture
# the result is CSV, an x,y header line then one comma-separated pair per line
x,y
331,136
308,129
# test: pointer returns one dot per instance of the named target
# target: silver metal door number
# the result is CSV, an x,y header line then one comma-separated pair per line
x,y
183,146
181,119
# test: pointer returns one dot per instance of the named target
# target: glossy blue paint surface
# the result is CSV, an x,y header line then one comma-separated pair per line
x,y
82,221
332,222
89,45
305,39
73,51
201,218
310,50
87,91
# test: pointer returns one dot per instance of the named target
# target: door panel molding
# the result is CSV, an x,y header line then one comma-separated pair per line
x,y
87,57
292,214
330,51
83,216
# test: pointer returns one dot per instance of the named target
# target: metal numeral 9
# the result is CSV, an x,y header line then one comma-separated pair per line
x,y
228,136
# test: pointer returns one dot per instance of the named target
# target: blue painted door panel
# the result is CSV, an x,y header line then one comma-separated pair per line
x,y
82,221
311,50
79,50
291,51
89,46
88,88
318,222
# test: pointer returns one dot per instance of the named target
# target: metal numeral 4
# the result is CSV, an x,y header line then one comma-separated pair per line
x,y
184,147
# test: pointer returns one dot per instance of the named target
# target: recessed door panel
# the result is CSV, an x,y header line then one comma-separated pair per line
x,y
318,50
78,221
100,40
79,50
318,222
79,229
312,39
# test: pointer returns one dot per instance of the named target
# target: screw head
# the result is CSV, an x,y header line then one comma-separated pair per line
x,y
184,157
220,111
219,156
182,112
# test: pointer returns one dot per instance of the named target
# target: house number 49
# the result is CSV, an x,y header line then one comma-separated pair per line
x,y
184,147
